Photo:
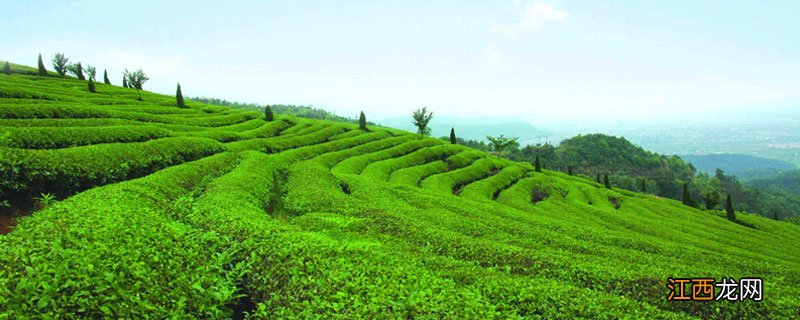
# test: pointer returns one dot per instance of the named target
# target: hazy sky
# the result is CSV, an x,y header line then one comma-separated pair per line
x,y
532,60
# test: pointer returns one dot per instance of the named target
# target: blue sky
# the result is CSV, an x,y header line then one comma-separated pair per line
x,y
531,60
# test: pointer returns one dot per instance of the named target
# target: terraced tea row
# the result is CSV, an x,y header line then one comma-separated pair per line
x,y
209,212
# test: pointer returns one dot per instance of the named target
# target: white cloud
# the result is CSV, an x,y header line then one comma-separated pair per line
x,y
536,15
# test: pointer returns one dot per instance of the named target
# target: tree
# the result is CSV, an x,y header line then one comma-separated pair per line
x,y
537,165
501,143
179,97
598,178
569,170
268,115
42,70
453,139
124,82
91,72
775,216
362,121
644,185
711,199
60,64
606,182
729,209
687,197
421,119
136,80
77,70
105,77
91,86
7,68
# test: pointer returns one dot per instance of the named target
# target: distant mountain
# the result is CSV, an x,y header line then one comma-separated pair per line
x,y
476,128
740,165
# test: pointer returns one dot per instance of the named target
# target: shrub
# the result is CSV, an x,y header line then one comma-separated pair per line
x,y
91,86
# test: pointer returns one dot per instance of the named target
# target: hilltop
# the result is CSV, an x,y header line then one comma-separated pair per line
x,y
213,212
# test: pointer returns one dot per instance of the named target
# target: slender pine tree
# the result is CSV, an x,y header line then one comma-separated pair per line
x,y
125,82
179,97
729,209
644,185
453,139
687,197
42,70
362,121
105,77
268,115
7,68
92,89
537,165
606,182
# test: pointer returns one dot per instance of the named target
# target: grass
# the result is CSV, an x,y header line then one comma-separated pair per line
x,y
210,212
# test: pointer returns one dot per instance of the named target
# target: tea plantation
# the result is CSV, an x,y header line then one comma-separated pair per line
x,y
210,212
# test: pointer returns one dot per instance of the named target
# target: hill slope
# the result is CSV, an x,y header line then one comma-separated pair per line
x,y
740,165
210,212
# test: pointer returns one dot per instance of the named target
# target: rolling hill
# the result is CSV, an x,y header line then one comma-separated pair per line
x,y
212,212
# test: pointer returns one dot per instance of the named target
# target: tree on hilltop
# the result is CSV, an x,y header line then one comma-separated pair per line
x,y
60,64
453,139
362,121
91,72
537,165
92,89
501,143
42,70
105,77
76,69
422,117
7,68
136,80
179,97
268,115
125,82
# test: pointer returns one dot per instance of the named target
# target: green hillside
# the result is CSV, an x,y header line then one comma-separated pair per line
x,y
211,212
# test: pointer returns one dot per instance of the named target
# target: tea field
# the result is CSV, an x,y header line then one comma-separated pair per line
x,y
211,212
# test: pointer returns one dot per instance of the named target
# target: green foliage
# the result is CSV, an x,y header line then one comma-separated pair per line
x,y
729,212
268,115
91,72
213,213
125,82
77,70
538,166
421,119
105,77
687,197
136,80
60,64
606,183
453,139
362,121
7,68
41,69
179,97
502,143
92,88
